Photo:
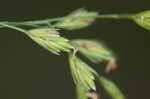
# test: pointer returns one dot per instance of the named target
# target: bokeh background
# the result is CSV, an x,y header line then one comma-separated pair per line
x,y
28,71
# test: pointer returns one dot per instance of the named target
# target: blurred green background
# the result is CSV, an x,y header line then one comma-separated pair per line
x,y
28,71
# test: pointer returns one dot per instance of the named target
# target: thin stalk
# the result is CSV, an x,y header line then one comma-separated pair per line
x,y
36,23
115,16
19,24
13,27
46,21
18,29
107,16
21,30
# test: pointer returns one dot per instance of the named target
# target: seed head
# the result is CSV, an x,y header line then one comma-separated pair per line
x,y
143,19
78,19
93,50
83,75
51,40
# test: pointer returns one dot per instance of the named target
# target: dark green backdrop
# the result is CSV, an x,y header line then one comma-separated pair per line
x,y
28,71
